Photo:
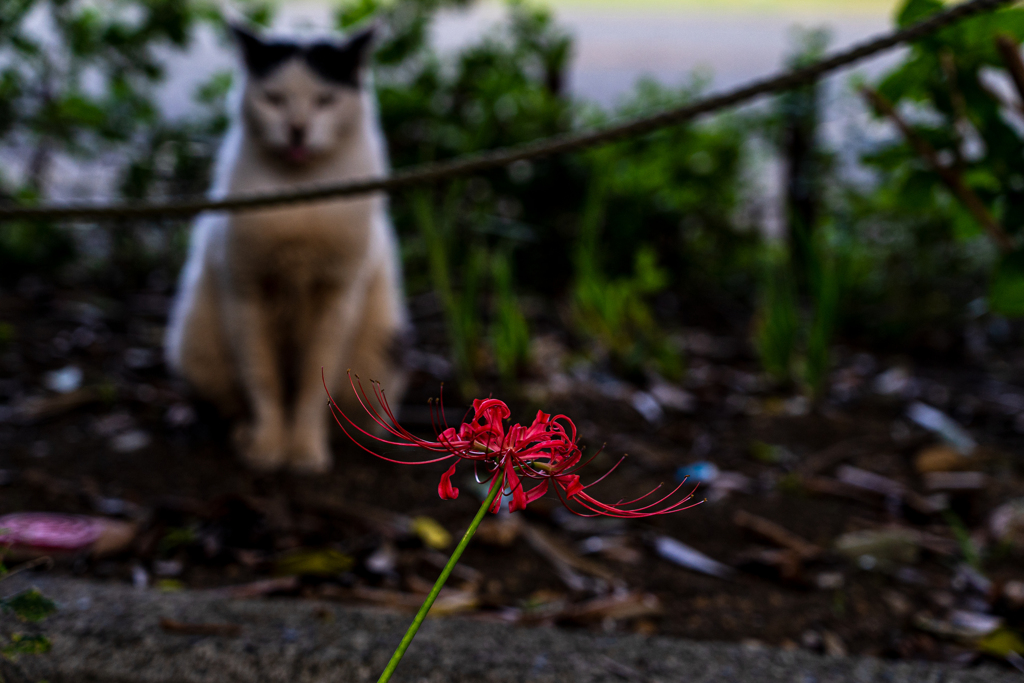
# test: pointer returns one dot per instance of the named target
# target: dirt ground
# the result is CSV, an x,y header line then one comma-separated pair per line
x,y
125,442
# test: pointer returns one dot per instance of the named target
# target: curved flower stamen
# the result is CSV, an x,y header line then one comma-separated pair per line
x,y
544,451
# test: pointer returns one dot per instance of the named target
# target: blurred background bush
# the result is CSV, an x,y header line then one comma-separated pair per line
x,y
617,248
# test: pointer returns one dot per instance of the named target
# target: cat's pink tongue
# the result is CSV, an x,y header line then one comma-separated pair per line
x,y
298,155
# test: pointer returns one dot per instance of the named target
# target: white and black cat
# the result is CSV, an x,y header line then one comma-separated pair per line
x,y
269,297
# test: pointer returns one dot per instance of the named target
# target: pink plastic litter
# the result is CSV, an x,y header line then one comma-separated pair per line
x,y
49,531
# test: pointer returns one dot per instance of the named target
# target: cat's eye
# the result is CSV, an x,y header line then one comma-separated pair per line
x,y
325,99
274,98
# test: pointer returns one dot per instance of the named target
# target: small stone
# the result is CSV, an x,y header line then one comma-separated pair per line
x,y
383,560
65,380
943,599
131,441
167,567
894,381
1013,591
834,645
112,424
140,578
798,406
180,415
941,424
974,624
830,580
811,640
886,548
648,406
674,398
1006,524
898,603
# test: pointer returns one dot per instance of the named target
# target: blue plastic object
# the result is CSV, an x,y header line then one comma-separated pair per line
x,y
703,472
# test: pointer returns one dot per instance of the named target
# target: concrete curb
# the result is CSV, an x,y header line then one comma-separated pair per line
x,y
110,633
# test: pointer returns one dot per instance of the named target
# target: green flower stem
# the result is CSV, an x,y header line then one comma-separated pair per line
x,y
445,573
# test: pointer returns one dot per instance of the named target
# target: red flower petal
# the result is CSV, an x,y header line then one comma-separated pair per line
x,y
570,483
519,500
445,488
537,491
543,451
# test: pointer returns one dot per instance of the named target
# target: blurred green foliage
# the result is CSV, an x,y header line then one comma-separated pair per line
x,y
660,215
616,246
777,323
610,230
29,605
25,644
797,120
920,256
894,262
503,90
803,276
77,81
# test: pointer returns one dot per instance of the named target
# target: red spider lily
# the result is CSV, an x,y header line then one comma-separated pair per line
x,y
545,452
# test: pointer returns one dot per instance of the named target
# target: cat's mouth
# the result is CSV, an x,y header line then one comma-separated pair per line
x,y
297,154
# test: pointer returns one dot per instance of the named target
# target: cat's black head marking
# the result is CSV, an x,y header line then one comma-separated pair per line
x,y
341,62
261,56
336,61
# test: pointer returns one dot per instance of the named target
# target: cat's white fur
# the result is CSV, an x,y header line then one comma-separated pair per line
x,y
268,298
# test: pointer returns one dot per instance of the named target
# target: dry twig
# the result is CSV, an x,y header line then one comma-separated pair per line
x,y
777,534
1009,51
952,178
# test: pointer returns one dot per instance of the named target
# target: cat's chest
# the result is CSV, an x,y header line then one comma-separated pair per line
x,y
325,238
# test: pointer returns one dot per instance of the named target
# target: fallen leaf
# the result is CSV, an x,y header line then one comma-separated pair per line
x,y
431,532
1001,642
323,562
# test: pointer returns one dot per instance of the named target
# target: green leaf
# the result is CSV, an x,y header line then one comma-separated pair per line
x,y
982,179
80,110
29,605
916,10
1006,290
964,225
510,333
1001,643
175,539
352,13
22,644
325,562
777,320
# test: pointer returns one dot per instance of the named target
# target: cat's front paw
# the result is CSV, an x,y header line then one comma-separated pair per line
x,y
261,447
310,456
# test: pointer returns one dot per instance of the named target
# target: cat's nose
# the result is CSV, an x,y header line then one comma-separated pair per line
x,y
298,136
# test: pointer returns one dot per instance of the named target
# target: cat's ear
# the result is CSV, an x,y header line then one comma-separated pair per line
x,y
361,43
342,63
261,56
